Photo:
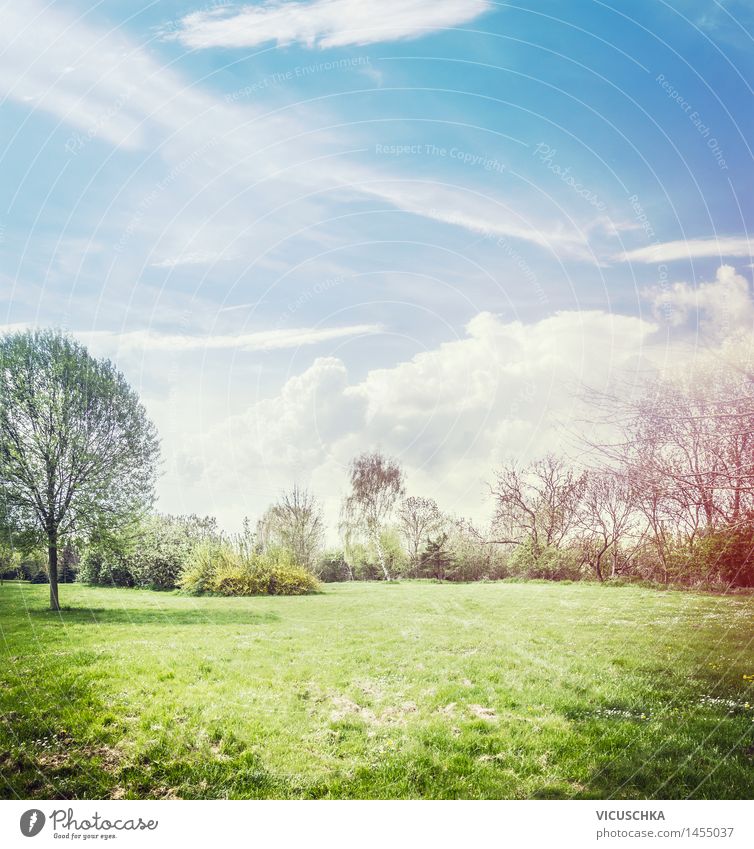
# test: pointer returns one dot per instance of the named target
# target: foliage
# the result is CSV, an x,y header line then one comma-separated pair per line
x,y
728,555
332,566
372,559
102,568
532,561
152,553
77,451
436,561
473,558
376,484
224,570
33,567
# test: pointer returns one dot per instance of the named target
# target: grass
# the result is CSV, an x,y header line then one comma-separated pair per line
x,y
378,691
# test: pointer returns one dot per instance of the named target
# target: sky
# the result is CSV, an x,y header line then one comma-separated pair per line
x,y
308,228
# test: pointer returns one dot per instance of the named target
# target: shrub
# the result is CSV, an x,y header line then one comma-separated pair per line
x,y
104,568
33,567
470,558
333,566
545,562
225,570
153,554
724,558
199,569
364,562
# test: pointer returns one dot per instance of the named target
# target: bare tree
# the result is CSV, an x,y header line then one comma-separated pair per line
x,y
539,503
376,485
608,515
418,518
686,442
294,522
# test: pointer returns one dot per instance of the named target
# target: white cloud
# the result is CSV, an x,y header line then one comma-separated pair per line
x,y
263,340
106,88
195,258
113,342
325,23
449,414
723,304
689,249
478,213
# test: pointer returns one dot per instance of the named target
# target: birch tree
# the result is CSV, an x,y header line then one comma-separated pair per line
x,y
376,485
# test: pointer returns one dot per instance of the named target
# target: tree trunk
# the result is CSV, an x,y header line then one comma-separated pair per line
x,y
381,556
598,569
53,569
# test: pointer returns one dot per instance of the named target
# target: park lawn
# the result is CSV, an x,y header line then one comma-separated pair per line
x,y
371,690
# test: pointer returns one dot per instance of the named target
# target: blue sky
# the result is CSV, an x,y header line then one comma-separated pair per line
x,y
307,228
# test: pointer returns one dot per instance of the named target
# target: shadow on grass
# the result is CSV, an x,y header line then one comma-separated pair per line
x,y
691,757
158,616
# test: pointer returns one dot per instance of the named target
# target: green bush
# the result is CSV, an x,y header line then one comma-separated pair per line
x,y
154,554
333,566
33,567
469,558
199,569
721,558
224,570
363,560
545,562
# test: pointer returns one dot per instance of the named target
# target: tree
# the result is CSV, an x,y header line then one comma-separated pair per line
x,y
686,443
376,484
295,523
435,560
77,451
538,504
418,519
607,515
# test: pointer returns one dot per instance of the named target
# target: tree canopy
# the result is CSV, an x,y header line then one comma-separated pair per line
x,y
78,453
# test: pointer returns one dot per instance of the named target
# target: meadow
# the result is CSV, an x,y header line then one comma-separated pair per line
x,y
378,690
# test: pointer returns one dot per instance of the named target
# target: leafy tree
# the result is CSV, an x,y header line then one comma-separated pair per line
x,y
436,559
152,554
77,451
376,484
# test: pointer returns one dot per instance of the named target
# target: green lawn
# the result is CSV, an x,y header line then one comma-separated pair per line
x,y
373,690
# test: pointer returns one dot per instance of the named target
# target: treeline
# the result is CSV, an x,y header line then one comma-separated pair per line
x,y
666,497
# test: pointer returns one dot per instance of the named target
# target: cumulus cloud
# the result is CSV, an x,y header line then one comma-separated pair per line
x,y
324,23
502,389
720,306
449,414
277,440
